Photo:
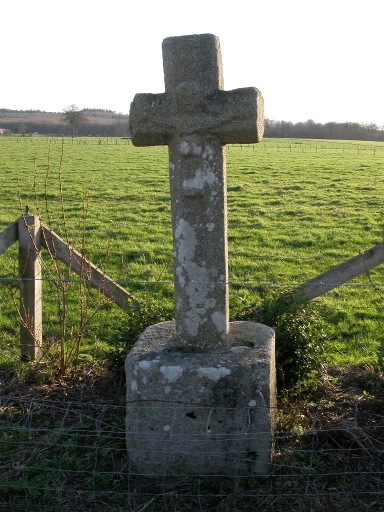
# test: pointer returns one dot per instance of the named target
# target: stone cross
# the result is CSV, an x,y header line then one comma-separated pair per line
x,y
195,117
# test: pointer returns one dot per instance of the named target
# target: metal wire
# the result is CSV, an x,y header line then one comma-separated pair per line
x,y
72,456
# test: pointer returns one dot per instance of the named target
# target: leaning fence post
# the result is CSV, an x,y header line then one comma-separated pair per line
x,y
30,287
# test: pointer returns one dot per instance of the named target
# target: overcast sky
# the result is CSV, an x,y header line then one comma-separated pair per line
x,y
311,59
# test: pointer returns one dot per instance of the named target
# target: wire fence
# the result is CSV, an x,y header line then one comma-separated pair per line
x,y
235,284
63,455
290,143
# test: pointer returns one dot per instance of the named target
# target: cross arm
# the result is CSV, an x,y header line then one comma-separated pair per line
x,y
233,117
149,120
237,116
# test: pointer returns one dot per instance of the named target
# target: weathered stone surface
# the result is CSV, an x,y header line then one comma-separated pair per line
x,y
194,101
198,198
200,391
232,117
196,117
192,60
201,413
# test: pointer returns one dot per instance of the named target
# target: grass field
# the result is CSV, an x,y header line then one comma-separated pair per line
x,y
295,209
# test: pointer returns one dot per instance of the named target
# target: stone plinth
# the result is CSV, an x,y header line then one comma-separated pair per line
x,y
201,413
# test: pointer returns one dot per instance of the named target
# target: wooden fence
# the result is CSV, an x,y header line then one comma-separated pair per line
x,y
32,236
341,274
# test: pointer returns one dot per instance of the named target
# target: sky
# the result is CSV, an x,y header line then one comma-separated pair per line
x,y
320,60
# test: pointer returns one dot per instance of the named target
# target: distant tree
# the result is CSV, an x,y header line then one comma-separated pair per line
x,y
332,130
75,117
120,129
21,128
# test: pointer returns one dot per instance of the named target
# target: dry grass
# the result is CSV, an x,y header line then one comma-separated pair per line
x,y
328,457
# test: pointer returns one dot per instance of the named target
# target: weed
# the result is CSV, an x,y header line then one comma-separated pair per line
x,y
139,316
62,348
302,336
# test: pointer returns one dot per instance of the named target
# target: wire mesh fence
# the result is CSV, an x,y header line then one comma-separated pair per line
x,y
63,455
274,144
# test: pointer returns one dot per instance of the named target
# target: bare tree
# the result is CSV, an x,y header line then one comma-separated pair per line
x,y
75,117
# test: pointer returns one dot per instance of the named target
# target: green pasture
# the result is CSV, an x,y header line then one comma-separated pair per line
x,y
295,209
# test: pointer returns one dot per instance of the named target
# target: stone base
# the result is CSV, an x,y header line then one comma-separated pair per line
x,y
201,413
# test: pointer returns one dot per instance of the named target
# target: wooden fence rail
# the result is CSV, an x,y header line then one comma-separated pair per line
x,y
9,236
341,274
33,235
84,268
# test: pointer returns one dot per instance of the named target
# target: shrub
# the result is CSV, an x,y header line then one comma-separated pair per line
x,y
139,317
301,337
301,341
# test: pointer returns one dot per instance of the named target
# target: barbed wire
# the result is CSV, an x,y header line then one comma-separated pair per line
x,y
255,284
268,143
72,455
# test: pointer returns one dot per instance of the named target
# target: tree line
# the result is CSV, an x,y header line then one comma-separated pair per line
x,y
312,130
116,129
72,121
80,123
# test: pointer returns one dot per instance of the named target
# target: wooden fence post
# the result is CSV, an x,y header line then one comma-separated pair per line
x,y
30,287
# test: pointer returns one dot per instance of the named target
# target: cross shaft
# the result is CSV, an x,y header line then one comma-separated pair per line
x,y
195,117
